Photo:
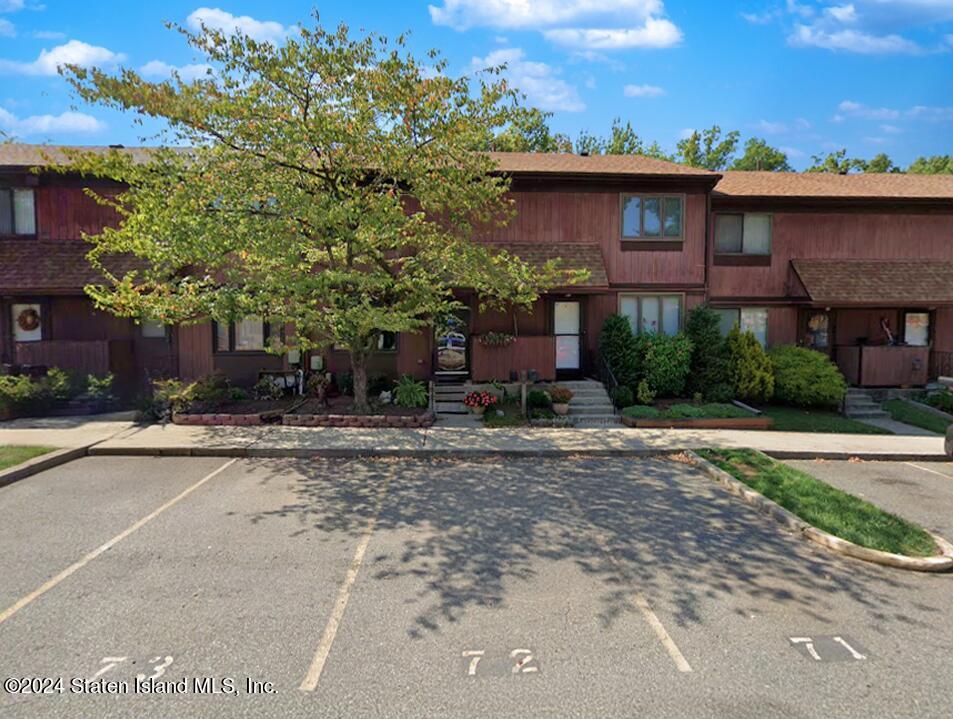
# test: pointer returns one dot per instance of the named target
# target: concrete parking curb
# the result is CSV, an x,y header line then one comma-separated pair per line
x,y
938,563
41,463
358,452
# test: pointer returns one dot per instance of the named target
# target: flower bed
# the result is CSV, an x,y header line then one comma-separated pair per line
x,y
688,416
338,412
237,413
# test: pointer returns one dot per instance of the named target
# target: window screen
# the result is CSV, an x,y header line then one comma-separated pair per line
x,y
728,229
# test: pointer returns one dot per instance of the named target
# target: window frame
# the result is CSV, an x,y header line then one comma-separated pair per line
x,y
266,332
680,296
661,197
739,309
142,329
380,342
723,257
11,190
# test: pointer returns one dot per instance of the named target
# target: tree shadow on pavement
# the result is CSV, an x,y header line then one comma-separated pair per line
x,y
469,531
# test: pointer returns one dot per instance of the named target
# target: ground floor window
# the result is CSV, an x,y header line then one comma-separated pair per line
x,y
246,335
916,328
749,319
387,341
652,313
152,329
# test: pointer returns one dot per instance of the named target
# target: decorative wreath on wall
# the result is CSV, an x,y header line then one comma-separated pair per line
x,y
28,320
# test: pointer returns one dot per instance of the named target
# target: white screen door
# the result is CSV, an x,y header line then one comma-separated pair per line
x,y
566,329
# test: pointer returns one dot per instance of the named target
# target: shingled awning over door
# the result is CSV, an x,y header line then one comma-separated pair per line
x,y
876,282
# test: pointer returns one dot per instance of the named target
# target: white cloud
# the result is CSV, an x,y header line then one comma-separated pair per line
x,y
792,152
875,140
11,5
936,114
850,41
533,14
537,80
796,8
7,29
802,124
586,25
891,129
763,18
73,52
76,122
857,109
770,128
949,39
642,91
842,13
216,19
159,69
48,35
686,133
655,33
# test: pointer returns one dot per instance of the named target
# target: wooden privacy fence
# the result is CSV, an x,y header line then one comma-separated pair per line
x,y
523,353
87,356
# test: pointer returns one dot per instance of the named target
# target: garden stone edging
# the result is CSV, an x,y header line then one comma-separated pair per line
x,y
938,563
367,421
41,463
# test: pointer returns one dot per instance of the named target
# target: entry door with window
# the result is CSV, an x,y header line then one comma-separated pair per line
x,y
567,328
817,331
450,340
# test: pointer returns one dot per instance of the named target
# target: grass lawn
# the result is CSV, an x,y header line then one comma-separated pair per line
x,y
14,454
512,417
820,504
796,419
903,412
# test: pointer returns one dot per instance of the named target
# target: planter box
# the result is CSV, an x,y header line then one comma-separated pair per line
x,y
218,420
700,423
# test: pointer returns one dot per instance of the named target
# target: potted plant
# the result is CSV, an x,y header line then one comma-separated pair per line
x,y
561,397
477,402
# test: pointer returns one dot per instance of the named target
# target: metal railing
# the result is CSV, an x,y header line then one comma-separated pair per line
x,y
607,377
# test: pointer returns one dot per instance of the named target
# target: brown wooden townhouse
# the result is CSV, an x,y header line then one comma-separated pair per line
x,y
856,266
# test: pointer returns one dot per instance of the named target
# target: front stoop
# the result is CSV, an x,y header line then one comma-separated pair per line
x,y
860,404
590,405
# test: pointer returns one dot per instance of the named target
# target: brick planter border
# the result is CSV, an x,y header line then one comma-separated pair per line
x,y
376,421
217,420
700,423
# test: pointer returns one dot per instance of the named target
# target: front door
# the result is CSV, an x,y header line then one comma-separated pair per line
x,y
450,341
567,327
817,331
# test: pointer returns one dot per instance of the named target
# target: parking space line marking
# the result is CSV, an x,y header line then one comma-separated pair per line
x,y
641,601
310,681
931,471
76,566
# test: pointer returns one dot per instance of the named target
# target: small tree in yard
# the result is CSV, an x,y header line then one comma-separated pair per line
x,y
749,368
709,350
329,184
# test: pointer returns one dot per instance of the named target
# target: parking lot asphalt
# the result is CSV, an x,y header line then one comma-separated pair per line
x,y
574,587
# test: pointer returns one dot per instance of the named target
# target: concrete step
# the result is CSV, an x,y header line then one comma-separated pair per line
x,y
451,408
596,420
861,403
587,400
588,410
580,384
868,414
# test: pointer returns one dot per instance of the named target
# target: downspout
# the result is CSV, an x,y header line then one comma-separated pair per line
x,y
707,238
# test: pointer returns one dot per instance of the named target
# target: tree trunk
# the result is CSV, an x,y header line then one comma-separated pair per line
x,y
359,373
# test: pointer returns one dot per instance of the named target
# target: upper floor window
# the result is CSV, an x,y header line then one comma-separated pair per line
x,y
747,234
17,215
247,335
652,313
652,217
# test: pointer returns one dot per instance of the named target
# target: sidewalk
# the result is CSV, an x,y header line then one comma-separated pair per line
x,y
126,438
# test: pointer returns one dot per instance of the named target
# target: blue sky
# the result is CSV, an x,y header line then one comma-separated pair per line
x,y
807,75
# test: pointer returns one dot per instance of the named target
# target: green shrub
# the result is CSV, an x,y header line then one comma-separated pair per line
x,y
667,363
213,387
644,393
617,348
942,400
408,392
622,396
722,410
64,385
237,394
266,388
683,411
749,368
20,394
538,399
721,392
638,411
168,397
709,350
806,378
99,389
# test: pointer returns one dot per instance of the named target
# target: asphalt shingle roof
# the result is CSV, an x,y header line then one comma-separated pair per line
x,y
883,282
30,265
573,256
826,185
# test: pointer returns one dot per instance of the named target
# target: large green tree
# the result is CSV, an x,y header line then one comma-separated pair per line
x,y
759,155
528,131
708,148
934,165
329,184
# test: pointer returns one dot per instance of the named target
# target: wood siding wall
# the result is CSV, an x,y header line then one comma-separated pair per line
x,y
66,212
831,236
525,353
195,350
595,216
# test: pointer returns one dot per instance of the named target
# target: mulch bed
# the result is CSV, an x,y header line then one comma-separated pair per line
x,y
345,406
241,413
339,412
